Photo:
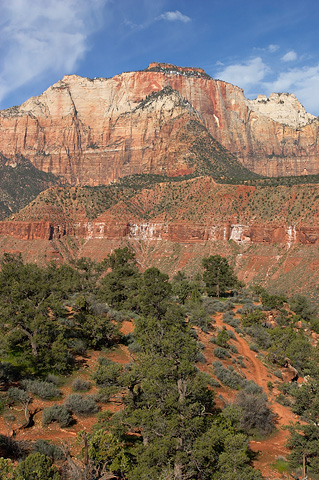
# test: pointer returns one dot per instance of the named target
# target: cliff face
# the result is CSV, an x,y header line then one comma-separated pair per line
x,y
270,234
95,131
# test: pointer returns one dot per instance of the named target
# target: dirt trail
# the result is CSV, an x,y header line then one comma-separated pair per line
x,y
273,446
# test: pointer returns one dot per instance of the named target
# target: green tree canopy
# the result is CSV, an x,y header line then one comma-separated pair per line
x,y
218,275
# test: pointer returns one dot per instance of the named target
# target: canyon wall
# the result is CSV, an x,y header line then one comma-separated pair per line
x,y
93,131
179,232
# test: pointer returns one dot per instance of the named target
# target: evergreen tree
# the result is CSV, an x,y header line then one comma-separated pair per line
x,y
219,276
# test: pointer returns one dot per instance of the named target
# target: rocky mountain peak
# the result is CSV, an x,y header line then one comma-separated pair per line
x,y
175,70
282,107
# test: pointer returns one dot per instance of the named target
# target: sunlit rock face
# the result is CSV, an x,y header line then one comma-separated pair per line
x,y
94,131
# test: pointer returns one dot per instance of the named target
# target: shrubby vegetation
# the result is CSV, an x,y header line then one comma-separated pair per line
x,y
169,426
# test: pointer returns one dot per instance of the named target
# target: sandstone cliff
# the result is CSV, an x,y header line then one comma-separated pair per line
x,y
93,131
271,235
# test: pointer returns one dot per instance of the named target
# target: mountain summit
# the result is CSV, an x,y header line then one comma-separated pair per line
x,y
95,131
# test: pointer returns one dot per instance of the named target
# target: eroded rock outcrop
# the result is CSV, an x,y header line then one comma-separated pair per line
x,y
95,131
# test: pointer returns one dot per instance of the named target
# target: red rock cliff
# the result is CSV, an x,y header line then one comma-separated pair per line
x,y
95,131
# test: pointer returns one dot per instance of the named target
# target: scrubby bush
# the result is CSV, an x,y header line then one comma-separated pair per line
x,y
278,374
108,374
233,348
228,376
18,396
200,358
209,305
252,388
55,379
239,330
256,415
57,413
254,347
219,306
231,334
214,383
80,385
222,338
37,467
105,393
261,336
81,404
283,400
42,389
233,322
49,449
197,315
221,353
229,305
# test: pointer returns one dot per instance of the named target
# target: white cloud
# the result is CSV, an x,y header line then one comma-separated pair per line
x,y
289,56
245,74
41,37
303,82
174,16
273,48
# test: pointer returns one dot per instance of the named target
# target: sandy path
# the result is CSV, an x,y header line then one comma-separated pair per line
x,y
274,446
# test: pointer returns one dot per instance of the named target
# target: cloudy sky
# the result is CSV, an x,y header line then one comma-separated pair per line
x,y
262,46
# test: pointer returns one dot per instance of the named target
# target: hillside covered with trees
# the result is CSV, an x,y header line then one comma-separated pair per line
x,y
151,377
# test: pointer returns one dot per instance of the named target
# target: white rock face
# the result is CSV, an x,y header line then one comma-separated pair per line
x,y
284,108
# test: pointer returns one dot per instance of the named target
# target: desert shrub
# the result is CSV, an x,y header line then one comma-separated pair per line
x,y
272,301
214,383
197,315
208,305
12,448
254,347
231,334
238,329
241,362
229,305
252,388
108,374
256,415
57,413
200,358
80,385
233,322
233,348
228,316
228,376
219,306
221,353
55,379
8,372
222,338
37,467
261,336
48,449
105,393
17,395
283,400
81,404
134,347
104,361
78,346
278,374
255,317
42,389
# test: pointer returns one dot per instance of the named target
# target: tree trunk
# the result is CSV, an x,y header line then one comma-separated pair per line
x,y
304,466
178,470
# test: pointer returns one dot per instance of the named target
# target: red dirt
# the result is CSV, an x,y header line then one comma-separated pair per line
x,y
269,449
272,447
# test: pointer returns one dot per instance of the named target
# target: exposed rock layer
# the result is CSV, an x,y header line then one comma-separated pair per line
x,y
95,131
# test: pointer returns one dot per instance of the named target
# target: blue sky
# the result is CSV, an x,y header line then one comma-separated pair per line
x,y
261,46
